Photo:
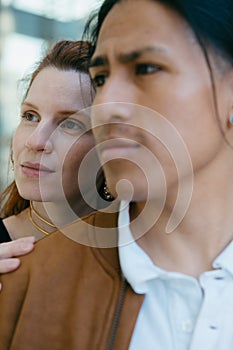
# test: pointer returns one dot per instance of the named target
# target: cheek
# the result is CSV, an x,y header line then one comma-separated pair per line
x,y
18,143
178,96
198,126
80,168
78,154
192,113
182,131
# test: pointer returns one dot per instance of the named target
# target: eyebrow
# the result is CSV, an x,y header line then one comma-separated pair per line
x,y
127,57
29,104
61,113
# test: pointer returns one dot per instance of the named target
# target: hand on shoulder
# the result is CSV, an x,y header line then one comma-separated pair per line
x,y
10,250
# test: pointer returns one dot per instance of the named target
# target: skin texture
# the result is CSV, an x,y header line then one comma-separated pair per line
x,y
161,67
54,136
51,133
18,247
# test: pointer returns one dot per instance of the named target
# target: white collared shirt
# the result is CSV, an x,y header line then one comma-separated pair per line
x,y
179,312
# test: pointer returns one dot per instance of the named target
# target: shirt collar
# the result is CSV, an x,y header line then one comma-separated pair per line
x,y
225,259
136,265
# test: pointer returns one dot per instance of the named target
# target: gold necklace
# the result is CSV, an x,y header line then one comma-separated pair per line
x,y
32,210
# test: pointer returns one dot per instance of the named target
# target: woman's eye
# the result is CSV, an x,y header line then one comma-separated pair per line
x,y
30,117
99,80
72,125
143,69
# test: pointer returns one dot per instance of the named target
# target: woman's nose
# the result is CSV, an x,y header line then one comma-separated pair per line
x,y
40,139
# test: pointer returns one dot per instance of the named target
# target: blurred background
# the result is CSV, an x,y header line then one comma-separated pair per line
x,y
27,28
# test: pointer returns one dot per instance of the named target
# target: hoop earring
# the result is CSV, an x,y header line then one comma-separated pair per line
x,y
107,194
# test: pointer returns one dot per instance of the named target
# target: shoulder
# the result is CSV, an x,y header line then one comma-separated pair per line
x,y
98,229
17,225
58,261
92,238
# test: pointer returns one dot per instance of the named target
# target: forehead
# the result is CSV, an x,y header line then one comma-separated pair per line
x,y
59,79
65,86
132,23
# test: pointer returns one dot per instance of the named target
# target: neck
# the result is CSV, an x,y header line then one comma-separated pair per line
x,y
61,213
40,223
206,229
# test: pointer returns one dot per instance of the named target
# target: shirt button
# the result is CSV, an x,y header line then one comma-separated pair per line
x,y
187,326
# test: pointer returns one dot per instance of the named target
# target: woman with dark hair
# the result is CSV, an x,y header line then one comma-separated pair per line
x,y
157,273
49,145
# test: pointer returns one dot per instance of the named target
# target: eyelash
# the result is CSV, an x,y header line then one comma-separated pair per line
x,y
75,123
26,116
152,68
95,81
63,124
140,69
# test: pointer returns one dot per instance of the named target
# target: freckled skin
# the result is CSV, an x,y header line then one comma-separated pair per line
x,y
60,148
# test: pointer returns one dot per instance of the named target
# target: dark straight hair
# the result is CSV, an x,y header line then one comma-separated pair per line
x,y
210,20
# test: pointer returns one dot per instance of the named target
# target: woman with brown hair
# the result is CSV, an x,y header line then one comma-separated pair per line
x,y
158,272
50,142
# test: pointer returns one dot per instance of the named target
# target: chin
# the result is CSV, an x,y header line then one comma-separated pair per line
x,y
30,194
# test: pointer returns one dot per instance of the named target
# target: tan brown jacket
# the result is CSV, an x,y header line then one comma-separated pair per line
x,y
69,296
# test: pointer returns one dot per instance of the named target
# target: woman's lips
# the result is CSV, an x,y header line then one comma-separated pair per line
x,y
35,169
